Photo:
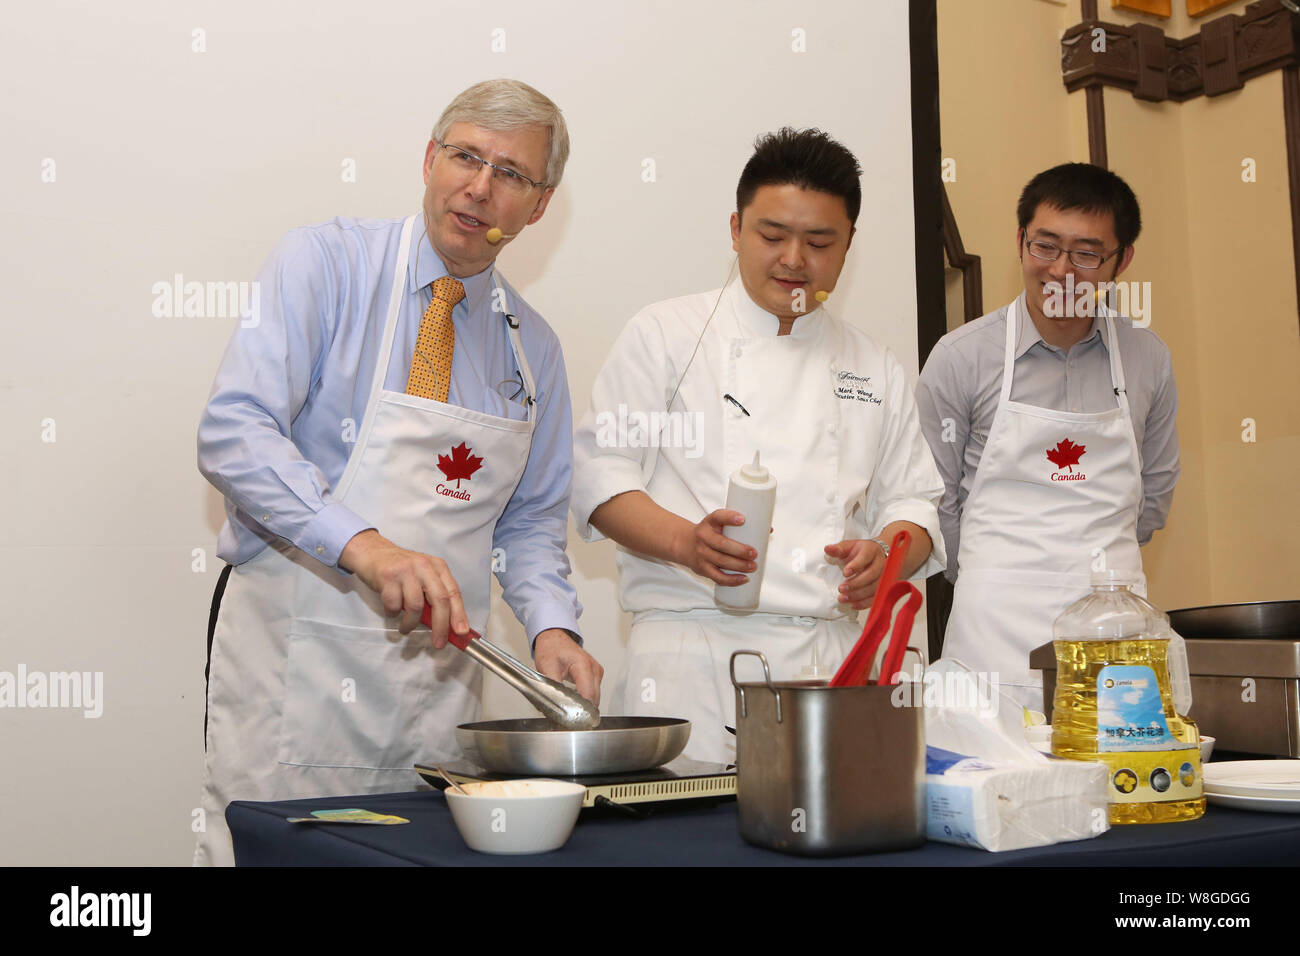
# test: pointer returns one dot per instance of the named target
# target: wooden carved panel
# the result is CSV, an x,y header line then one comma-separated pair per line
x,y
1185,68
1152,77
1219,56
1265,39
1140,58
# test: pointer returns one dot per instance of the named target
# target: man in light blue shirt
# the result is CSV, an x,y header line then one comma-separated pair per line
x,y
296,414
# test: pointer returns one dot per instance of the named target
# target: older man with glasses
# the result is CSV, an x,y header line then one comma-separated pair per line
x,y
394,429
1052,421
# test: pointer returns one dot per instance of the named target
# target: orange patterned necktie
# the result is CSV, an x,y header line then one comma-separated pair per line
x,y
431,364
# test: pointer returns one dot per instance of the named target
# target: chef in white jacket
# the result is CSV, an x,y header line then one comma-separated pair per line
x,y
691,390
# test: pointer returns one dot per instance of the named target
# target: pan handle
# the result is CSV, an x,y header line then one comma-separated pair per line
x,y
767,675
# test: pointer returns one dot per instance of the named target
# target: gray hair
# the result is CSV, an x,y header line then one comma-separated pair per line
x,y
507,105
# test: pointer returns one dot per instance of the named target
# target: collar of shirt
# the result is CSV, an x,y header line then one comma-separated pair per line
x,y
755,322
1029,336
425,267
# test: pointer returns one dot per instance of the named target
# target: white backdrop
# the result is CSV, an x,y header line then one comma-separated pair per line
x,y
153,139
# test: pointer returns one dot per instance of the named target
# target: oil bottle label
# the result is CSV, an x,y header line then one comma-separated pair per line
x,y
1154,777
1130,710
1147,763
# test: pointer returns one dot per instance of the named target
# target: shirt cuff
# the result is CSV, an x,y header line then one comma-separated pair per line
x,y
925,515
329,532
549,614
597,483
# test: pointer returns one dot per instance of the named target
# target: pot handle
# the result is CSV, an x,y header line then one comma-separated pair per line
x,y
919,656
767,675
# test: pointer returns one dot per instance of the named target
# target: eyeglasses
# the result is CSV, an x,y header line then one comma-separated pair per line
x,y
514,182
513,386
1080,258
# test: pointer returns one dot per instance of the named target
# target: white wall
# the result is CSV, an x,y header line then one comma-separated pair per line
x,y
168,160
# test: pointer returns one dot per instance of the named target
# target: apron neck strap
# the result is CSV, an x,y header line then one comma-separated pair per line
x,y
517,346
1016,315
394,308
1013,336
1116,366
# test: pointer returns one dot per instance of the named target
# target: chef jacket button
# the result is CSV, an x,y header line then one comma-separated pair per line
x,y
830,497
735,353
266,517
320,549
830,428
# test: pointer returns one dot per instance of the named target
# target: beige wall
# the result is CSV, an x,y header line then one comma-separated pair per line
x,y
1002,119
1216,250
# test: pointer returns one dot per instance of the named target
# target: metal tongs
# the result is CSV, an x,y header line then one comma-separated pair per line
x,y
856,668
559,704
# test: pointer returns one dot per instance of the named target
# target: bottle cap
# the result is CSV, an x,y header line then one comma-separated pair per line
x,y
1114,577
754,471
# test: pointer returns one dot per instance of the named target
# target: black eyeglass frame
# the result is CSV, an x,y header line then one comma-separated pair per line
x,y
1102,260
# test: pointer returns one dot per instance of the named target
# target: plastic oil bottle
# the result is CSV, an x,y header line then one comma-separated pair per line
x,y
1115,702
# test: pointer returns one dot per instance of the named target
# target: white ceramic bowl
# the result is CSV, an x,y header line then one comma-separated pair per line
x,y
516,816
1207,747
1039,737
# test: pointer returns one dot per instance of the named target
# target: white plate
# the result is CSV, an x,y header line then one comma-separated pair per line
x,y
1254,778
1265,804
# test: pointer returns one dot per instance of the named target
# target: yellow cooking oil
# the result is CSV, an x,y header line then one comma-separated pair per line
x,y
1114,703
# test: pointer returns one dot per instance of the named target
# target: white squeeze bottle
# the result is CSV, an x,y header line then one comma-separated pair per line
x,y
752,492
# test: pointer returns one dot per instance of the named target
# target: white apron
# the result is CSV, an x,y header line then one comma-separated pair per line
x,y
1032,529
313,692
678,662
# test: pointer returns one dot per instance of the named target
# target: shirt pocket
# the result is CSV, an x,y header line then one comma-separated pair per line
x,y
354,697
507,400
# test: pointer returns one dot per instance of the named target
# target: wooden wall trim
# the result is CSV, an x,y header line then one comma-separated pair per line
x,y
972,275
928,202
927,183
1291,109
1141,59
1096,103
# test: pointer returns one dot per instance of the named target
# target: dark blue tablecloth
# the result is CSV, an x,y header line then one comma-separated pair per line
x,y
708,836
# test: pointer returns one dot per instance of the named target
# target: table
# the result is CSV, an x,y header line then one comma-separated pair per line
x,y
708,836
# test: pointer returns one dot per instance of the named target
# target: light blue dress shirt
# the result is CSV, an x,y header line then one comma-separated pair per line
x,y
290,397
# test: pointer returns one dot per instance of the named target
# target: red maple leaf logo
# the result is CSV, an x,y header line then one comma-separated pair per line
x,y
460,465
1066,454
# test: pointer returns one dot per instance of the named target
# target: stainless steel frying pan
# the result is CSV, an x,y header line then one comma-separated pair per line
x,y
537,746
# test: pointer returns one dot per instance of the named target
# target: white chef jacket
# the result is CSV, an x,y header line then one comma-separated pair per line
x,y
830,412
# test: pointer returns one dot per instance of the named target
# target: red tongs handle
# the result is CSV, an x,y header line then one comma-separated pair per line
x,y
857,665
460,640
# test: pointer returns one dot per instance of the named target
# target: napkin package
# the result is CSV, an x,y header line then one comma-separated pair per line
x,y
985,786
